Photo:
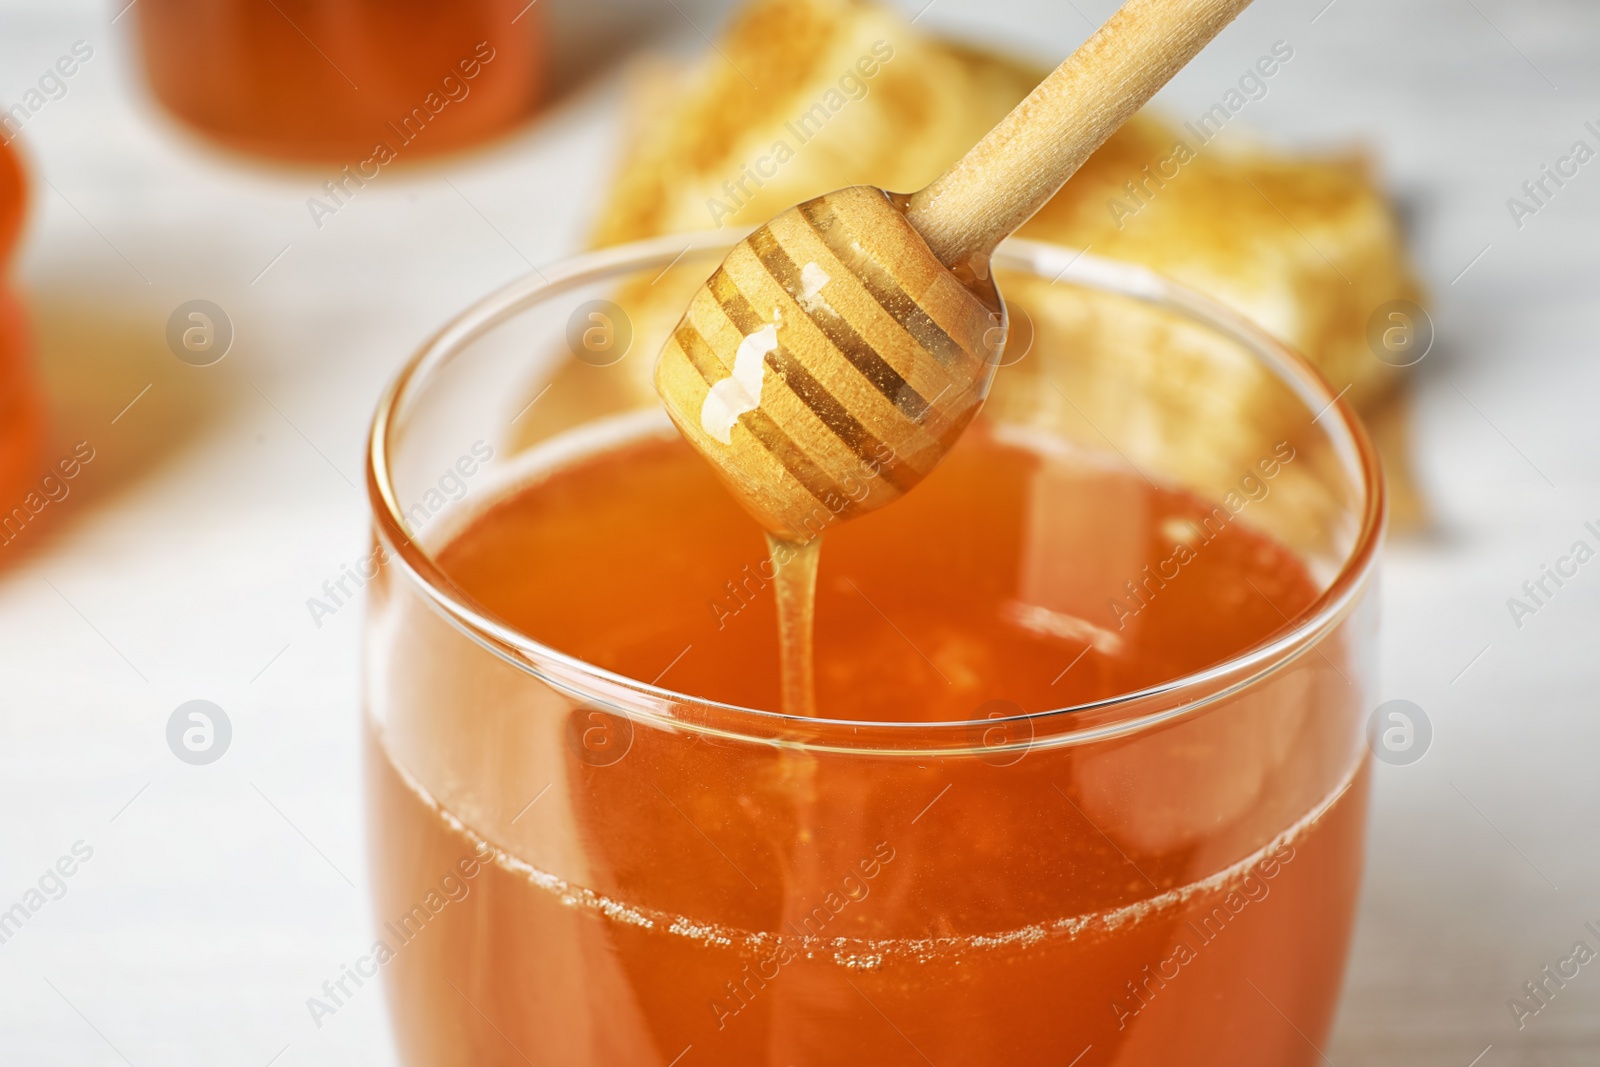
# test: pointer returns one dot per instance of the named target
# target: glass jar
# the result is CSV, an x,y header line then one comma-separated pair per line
x,y
572,866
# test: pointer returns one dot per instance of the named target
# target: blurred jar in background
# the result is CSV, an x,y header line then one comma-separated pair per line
x,y
327,80
21,403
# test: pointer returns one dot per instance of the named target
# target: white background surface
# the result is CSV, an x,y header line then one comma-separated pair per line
x,y
221,897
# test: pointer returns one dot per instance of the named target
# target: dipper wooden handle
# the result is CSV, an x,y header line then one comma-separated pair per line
x,y
836,355
1020,164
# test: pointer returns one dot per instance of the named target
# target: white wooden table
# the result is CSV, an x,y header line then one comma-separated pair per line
x,y
217,899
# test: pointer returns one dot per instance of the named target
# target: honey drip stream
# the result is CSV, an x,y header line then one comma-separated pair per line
x,y
795,584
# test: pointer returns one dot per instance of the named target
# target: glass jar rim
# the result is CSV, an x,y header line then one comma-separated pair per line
x,y
1110,717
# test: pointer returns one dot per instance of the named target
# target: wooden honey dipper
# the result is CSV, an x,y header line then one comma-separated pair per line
x,y
840,350
836,355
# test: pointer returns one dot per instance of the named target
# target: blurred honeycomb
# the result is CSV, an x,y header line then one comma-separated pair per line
x,y
801,97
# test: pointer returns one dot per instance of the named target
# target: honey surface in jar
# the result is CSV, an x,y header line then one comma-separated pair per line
x,y
1113,901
